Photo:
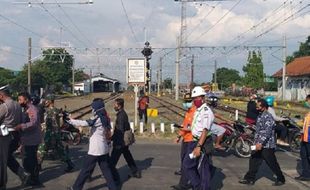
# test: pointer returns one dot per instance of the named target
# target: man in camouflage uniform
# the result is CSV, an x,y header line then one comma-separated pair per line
x,y
52,135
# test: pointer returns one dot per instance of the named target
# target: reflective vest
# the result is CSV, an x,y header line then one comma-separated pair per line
x,y
306,129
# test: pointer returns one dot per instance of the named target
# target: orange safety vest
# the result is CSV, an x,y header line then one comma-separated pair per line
x,y
306,129
188,119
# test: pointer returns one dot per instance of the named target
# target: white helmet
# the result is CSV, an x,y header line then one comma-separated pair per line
x,y
198,91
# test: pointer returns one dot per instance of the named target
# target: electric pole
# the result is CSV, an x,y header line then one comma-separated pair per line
x,y
192,70
29,65
284,68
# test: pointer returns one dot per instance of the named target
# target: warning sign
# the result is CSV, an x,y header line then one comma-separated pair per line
x,y
152,112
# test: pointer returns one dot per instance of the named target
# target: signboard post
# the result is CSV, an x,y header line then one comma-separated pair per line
x,y
136,75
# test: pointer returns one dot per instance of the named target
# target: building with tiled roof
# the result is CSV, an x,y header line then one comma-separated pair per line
x,y
297,79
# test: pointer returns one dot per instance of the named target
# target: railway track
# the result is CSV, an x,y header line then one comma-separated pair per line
x,y
82,111
176,110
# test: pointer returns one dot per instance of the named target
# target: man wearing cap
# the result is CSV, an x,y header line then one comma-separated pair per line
x,y
187,138
10,116
98,151
52,135
196,164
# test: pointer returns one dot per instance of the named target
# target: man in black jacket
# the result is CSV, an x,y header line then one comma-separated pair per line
x,y
119,148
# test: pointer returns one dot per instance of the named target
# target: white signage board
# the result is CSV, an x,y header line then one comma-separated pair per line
x,y
136,71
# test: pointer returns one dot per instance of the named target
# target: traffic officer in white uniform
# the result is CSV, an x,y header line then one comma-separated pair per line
x,y
196,164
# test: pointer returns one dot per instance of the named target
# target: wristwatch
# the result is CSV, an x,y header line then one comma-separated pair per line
x,y
199,145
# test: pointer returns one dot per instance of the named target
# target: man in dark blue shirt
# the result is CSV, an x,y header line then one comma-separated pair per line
x,y
264,148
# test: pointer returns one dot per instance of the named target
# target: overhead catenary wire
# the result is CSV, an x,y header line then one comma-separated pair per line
x,y
218,21
59,22
73,23
129,23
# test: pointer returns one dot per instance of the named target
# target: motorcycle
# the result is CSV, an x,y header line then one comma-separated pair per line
x,y
293,136
69,133
236,137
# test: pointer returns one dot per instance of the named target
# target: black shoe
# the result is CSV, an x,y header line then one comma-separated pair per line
x,y
178,172
137,174
278,183
302,178
246,182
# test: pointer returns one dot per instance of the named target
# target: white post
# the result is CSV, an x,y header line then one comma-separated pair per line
x,y
141,127
153,127
132,126
284,69
237,115
136,89
162,127
172,128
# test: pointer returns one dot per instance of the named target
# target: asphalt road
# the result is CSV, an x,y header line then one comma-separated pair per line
x,y
158,160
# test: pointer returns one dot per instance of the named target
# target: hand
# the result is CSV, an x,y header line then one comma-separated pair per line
x,y
177,140
18,127
108,135
259,146
197,151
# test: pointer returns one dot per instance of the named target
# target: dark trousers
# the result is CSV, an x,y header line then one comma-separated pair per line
x,y
89,165
143,113
190,166
305,159
183,179
115,155
281,130
12,162
267,154
4,151
30,161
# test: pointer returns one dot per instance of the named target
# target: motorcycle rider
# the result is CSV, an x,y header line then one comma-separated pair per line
x,y
280,127
52,135
305,146
251,113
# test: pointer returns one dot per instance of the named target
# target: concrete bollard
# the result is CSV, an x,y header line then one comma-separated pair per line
x,y
172,128
141,127
153,127
162,127
132,126
237,115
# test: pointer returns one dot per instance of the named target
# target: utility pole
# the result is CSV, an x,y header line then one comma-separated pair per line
x,y
29,65
90,80
192,70
215,74
284,68
177,65
159,76
73,81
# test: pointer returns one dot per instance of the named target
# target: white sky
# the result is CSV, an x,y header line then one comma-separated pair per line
x,y
104,25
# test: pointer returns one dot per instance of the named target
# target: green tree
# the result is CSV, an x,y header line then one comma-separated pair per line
x,y
254,71
304,50
52,72
226,77
6,76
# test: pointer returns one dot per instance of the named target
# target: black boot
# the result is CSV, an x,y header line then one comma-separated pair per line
x,y
70,166
23,175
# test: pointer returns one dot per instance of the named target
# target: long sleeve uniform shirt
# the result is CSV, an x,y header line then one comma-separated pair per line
x,y
187,122
10,113
265,134
31,126
203,119
98,143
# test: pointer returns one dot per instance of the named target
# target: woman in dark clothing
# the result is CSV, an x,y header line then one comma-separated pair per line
x,y
251,113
